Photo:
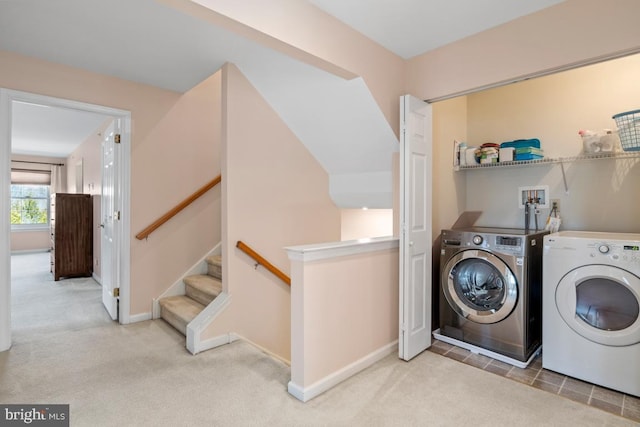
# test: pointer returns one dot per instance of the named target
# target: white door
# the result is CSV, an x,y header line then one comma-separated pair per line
x,y
415,226
109,224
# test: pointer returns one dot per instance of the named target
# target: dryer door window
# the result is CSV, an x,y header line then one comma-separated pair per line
x,y
606,304
601,303
479,286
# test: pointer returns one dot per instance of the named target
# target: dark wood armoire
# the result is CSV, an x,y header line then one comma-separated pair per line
x,y
71,235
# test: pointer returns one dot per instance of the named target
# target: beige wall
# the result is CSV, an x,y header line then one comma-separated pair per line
x,y
275,194
601,193
571,32
364,223
90,154
30,241
554,108
175,145
449,187
345,310
180,155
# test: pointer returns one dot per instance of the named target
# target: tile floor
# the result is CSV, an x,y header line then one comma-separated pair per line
x,y
534,375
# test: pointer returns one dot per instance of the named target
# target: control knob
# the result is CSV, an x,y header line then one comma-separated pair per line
x,y
477,239
604,249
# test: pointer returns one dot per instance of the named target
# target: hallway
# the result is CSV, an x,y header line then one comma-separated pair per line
x,y
42,307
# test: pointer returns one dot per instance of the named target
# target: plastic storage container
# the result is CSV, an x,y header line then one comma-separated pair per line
x,y
522,143
506,154
529,153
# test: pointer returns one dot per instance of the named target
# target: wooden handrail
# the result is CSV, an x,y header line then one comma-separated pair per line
x,y
266,264
186,202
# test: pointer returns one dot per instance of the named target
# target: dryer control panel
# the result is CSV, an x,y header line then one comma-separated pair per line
x,y
615,251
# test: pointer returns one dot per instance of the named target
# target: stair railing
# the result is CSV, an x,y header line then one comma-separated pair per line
x,y
173,212
261,261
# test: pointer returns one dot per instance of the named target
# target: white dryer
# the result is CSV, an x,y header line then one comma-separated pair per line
x,y
591,308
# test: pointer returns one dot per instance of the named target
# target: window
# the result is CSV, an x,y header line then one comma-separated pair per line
x,y
29,205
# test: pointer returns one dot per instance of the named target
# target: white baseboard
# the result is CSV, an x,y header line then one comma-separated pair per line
x,y
139,317
217,342
29,251
97,278
265,351
296,391
330,381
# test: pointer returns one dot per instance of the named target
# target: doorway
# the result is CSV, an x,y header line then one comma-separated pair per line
x,y
118,265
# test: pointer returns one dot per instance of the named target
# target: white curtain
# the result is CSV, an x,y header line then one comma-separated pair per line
x,y
57,181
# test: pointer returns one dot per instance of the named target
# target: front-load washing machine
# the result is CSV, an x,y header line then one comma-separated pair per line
x,y
490,292
591,308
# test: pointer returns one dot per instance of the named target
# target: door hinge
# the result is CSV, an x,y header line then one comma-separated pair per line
x,y
116,138
116,215
116,292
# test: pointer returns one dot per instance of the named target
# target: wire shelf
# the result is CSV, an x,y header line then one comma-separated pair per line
x,y
551,161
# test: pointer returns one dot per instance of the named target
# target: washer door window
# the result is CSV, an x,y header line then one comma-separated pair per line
x,y
479,286
601,303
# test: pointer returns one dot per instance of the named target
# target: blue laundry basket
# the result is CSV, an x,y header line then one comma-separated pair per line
x,y
629,129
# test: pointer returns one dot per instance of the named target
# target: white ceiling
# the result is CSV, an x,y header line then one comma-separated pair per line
x,y
412,27
149,42
40,130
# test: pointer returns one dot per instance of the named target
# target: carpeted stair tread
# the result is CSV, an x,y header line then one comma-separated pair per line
x,y
179,310
214,265
202,288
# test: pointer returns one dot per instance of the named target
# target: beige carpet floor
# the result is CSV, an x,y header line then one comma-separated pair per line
x,y
141,375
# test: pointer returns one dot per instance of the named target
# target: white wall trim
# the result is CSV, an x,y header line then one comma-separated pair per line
x,y
231,337
320,251
197,326
31,229
218,341
324,384
5,222
97,278
123,181
29,251
265,350
297,391
141,317
177,288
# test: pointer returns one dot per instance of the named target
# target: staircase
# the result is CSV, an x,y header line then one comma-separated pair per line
x,y
200,290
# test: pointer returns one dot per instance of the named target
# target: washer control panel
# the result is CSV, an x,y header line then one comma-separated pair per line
x,y
495,240
509,244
